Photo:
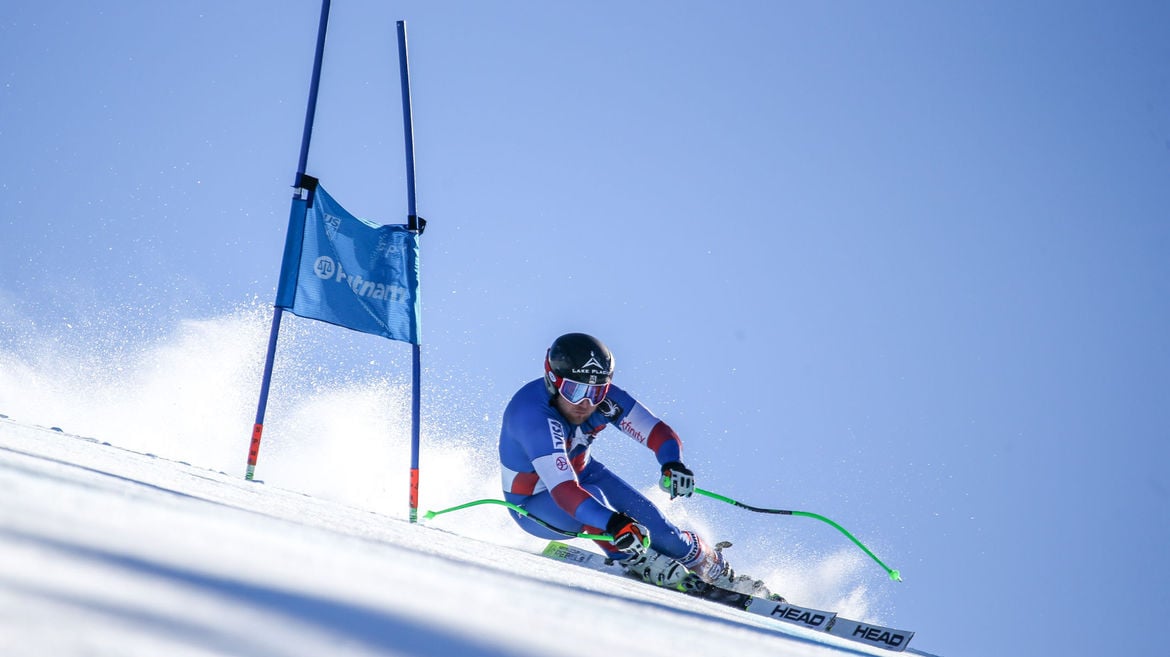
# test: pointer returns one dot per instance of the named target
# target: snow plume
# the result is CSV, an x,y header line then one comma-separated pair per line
x,y
831,582
176,395
338,417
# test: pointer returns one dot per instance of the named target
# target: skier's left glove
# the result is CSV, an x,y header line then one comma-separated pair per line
x,y
677,480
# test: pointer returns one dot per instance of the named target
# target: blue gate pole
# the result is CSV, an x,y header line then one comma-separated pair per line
x,y
415,225
286,288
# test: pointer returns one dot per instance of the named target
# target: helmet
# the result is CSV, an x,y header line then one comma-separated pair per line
x,y
579,358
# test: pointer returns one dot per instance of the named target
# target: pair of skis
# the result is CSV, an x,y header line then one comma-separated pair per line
x,y
829,622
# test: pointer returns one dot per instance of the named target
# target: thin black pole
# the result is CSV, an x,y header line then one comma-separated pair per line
x,y
314,85
295,233
415,225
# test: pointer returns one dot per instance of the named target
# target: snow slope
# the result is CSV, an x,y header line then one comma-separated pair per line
x,y
108,551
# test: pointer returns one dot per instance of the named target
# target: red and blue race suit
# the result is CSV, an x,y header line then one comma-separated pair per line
x,y
548,470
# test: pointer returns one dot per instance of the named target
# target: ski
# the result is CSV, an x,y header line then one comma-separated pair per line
x,y
829,622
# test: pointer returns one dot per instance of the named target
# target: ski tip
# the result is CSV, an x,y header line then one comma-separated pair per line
x,y
895,576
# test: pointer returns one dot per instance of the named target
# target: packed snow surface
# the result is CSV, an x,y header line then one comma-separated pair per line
x,y
109,551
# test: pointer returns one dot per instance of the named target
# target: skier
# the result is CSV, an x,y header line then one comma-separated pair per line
x,y
548,429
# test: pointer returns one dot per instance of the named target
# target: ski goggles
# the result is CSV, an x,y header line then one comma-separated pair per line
x,y
576,392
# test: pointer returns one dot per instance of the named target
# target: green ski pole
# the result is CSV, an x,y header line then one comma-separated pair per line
x,y
894,574
524,512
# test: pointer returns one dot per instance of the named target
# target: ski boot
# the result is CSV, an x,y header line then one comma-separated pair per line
x,y
656,568
712,567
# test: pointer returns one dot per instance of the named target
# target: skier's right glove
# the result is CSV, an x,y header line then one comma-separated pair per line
x,y
628,535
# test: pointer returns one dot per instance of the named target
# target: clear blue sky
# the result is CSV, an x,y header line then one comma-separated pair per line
x,y
903,264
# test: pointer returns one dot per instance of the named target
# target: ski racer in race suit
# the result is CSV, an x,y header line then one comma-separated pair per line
x,y
548,429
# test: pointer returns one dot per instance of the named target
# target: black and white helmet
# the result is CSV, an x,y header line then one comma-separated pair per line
x,y
579,366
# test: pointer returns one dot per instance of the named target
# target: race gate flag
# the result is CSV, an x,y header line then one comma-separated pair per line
x,y
351,272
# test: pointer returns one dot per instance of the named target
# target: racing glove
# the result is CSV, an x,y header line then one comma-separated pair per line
x,y
628,535
677,480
